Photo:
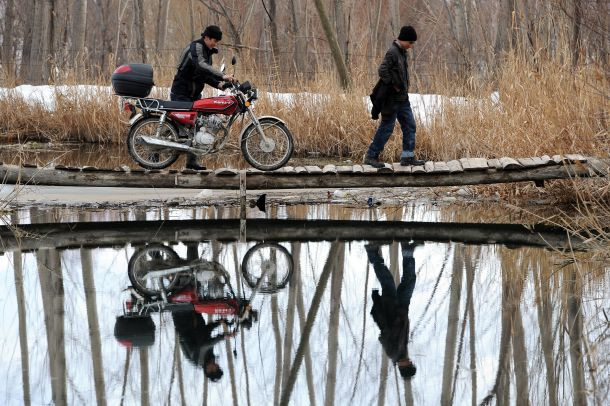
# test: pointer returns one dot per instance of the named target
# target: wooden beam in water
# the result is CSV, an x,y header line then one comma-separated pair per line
x,y
29,237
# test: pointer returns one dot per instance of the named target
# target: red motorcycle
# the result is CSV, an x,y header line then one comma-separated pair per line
x,y
163,129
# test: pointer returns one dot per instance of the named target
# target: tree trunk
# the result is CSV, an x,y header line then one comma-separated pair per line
x,y
341,27
395,21
503,24
6,52
298,37
545,316
144,378
139,25
192,19
575,332
334,46
79,26
28,32
576,27
35,68
162,25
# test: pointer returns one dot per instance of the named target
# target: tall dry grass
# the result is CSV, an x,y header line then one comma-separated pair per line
x,y
543,109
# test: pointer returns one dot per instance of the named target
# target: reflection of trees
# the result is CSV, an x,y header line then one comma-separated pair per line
x,y
52,291
575,332
331,261
21,313
336,284
94,328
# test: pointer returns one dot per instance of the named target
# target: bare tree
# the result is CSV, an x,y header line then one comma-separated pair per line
x,y
334,46
79,22
162,24
342,28
139,24
6,50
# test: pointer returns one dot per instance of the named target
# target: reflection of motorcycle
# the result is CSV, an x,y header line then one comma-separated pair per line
x,y
162,281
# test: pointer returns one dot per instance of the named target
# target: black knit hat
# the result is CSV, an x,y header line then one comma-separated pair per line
x,y
212,31
407,33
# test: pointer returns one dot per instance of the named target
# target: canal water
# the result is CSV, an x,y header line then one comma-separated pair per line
x,y
305,305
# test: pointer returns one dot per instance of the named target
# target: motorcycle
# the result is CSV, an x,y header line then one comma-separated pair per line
x,y
162,129
162,281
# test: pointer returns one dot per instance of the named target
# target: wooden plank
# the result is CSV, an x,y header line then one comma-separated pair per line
x,y
527,162
369,169
473,164
600,167
538,161
441,167
387,168
399,169
345,169
494,163
546,160
429,166
574,158
358,169
254,171
558,159
89,168
330,169
300,170
289,169
225,172
418,169
122,168
312,169
509,163
478,163
454,166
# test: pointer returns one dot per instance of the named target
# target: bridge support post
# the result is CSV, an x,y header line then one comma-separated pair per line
x,y
242,206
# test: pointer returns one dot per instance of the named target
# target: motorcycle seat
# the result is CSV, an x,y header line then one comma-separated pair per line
x,y
166,105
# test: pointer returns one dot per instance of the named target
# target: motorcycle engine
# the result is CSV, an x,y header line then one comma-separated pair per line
x,y
208,127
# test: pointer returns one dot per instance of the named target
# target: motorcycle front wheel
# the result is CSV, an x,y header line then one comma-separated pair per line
x,y
151,258
151,156
270,154
268,266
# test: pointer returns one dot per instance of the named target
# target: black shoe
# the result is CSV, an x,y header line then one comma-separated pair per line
x,y
374,162
411,161
195,166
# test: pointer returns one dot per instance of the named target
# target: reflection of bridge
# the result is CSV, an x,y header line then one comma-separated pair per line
x,y
466,171
96,234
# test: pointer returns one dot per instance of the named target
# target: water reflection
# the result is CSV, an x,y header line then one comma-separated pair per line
x,y
216,321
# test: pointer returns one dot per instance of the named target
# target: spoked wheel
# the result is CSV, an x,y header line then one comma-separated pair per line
x,y
269,154
271,264
148,259
152,156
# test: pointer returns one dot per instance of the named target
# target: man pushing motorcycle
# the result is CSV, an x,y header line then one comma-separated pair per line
x,y
194,71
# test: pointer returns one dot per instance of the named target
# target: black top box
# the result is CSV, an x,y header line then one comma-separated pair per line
x,y
133,80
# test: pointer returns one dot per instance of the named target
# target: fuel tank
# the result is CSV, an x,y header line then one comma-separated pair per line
x,y
216,105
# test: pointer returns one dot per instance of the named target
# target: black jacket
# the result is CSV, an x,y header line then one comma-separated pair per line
x,y
393,84
194,71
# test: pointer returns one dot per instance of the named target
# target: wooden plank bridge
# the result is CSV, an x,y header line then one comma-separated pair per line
x,y
465,171
28,237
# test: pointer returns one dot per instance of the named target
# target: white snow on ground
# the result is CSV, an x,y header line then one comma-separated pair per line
x,y
425,106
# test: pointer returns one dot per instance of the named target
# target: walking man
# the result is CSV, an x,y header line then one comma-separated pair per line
x,y
391,309
195,71
390,97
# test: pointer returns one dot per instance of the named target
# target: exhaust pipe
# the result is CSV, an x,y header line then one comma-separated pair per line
x,y
162,143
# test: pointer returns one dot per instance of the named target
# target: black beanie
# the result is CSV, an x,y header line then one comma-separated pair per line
x,y
407,33
212,31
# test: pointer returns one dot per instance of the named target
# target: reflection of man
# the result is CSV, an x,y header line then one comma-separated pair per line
x,y
197,342
391,309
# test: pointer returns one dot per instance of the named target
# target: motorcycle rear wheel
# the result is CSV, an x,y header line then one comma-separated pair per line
x,y
150,156
271,155
150,258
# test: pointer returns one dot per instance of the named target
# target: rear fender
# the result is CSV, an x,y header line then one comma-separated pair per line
x,y
260,119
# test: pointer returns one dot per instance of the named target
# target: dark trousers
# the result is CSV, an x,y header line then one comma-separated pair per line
x,y
404,291
402,112
190,158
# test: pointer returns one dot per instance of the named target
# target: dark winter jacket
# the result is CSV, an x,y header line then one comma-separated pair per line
x,y
194,71
196,336
393,322
393,85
